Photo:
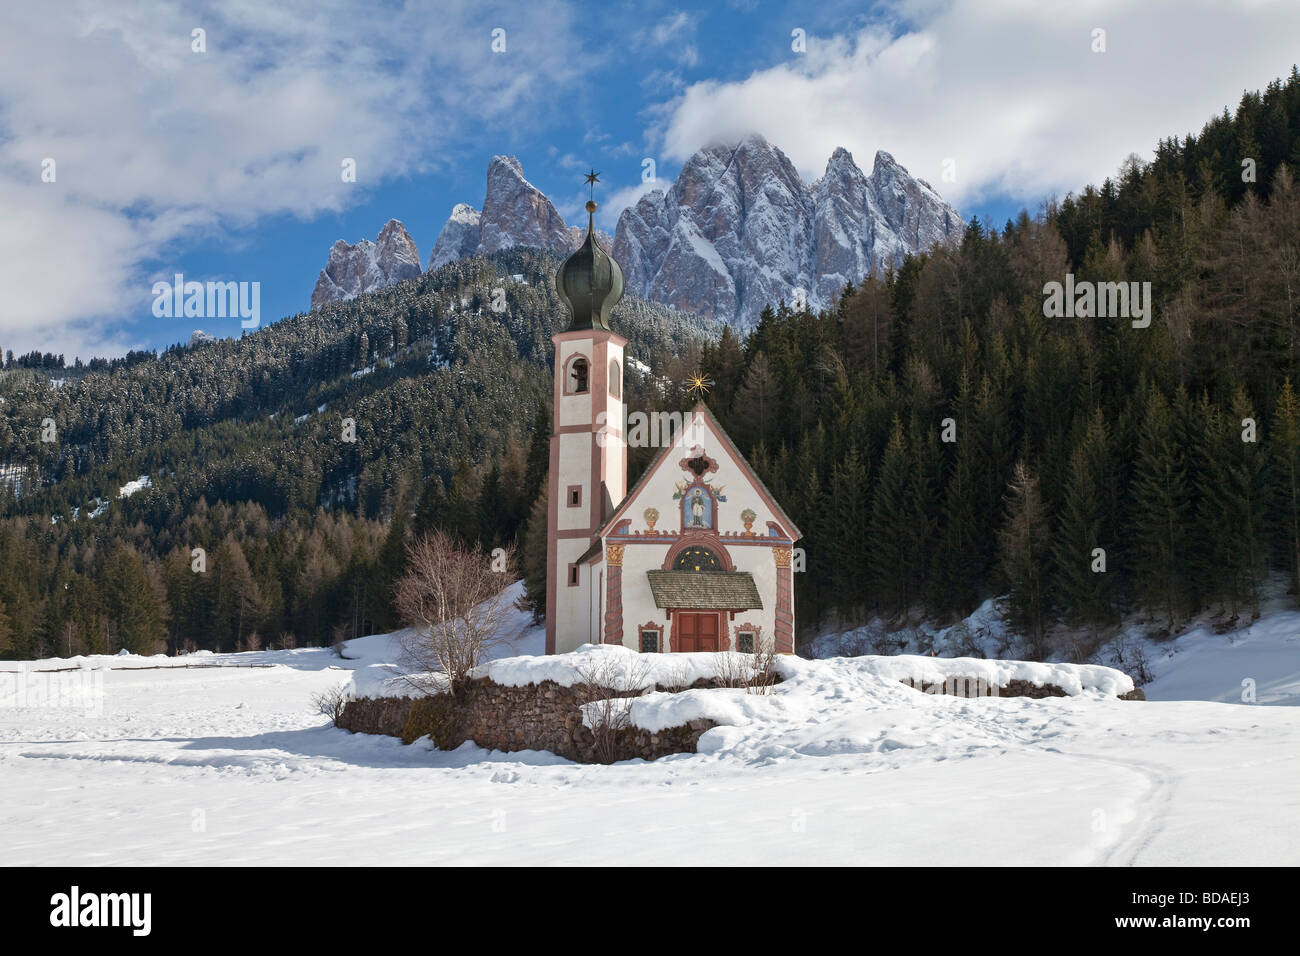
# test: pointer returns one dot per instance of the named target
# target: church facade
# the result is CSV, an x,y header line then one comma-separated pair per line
x,y
697,556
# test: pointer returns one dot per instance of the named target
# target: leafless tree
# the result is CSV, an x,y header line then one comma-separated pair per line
x,y
453,598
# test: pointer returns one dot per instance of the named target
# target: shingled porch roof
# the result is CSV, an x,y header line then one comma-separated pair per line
x,y
708,590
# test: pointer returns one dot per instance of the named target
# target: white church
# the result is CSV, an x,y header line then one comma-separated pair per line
x,y
697,556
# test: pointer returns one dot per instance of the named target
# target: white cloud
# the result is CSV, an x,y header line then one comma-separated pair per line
x,y
669,27
156,144
671,36
1009,89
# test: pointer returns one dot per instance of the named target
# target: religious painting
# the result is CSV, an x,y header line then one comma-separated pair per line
x,y
699,505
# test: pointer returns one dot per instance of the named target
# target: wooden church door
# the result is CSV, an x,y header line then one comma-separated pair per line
x,y
697,632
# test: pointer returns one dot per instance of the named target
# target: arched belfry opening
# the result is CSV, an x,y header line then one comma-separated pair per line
x,y
578,376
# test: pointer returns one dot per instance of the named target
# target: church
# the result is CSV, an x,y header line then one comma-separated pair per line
x,y
697,556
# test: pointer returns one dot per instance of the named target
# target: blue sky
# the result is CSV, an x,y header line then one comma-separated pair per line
x,y
223,163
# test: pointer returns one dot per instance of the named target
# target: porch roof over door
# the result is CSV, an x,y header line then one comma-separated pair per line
x,y
704,590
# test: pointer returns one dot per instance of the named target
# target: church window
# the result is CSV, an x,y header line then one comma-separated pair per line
x,y
697,559
745,642
573,575
615,379
575,496
649,642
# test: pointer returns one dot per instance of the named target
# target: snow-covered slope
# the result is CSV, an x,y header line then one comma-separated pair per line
x,y
231,764
1262,660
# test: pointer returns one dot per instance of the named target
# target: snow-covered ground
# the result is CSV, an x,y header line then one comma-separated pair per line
x,y
840,764
1262,660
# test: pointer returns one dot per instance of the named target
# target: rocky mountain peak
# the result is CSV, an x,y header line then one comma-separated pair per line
x,y
367,266
740,229
514,213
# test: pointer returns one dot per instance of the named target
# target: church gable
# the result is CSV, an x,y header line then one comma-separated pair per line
x,y
701,483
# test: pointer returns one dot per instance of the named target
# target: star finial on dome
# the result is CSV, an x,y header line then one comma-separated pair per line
x,y
590,282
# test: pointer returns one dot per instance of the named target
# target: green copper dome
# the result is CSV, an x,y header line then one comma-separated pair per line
x,y
590,282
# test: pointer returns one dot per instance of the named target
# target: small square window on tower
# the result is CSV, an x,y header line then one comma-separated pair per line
x,y
573,575
575,496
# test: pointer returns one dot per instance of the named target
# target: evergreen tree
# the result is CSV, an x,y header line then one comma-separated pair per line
x,y
1083,576
6,633
957,576
538,462
1161,514
846,531
133,603
892,560
534,558
431,511
1286,453
1023,549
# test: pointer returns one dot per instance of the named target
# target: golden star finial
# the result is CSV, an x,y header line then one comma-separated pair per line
x,y
698,383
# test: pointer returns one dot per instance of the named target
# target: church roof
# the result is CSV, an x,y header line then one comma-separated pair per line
x,y
782,517
589,553
711,590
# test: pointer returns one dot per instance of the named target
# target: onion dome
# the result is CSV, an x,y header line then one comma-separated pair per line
x,y
590,281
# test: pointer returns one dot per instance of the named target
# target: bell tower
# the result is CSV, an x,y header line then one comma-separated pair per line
x,y
588,467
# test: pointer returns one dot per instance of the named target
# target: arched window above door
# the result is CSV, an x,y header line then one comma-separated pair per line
x,y
697,559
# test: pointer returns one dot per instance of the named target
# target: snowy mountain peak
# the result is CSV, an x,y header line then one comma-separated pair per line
x,y
740,229
367,266
514,213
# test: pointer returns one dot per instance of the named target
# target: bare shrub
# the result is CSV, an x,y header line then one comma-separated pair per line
x,y
674,678
756,672
288,640
453,598
763,676
860,642
889,643
731,669
610,683
337,644
330,702
1131,656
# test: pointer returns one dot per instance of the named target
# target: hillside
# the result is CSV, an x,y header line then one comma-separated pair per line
x,y
243,445
939,435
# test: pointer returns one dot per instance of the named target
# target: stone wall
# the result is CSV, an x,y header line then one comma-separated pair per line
x,y
975,687
544,716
